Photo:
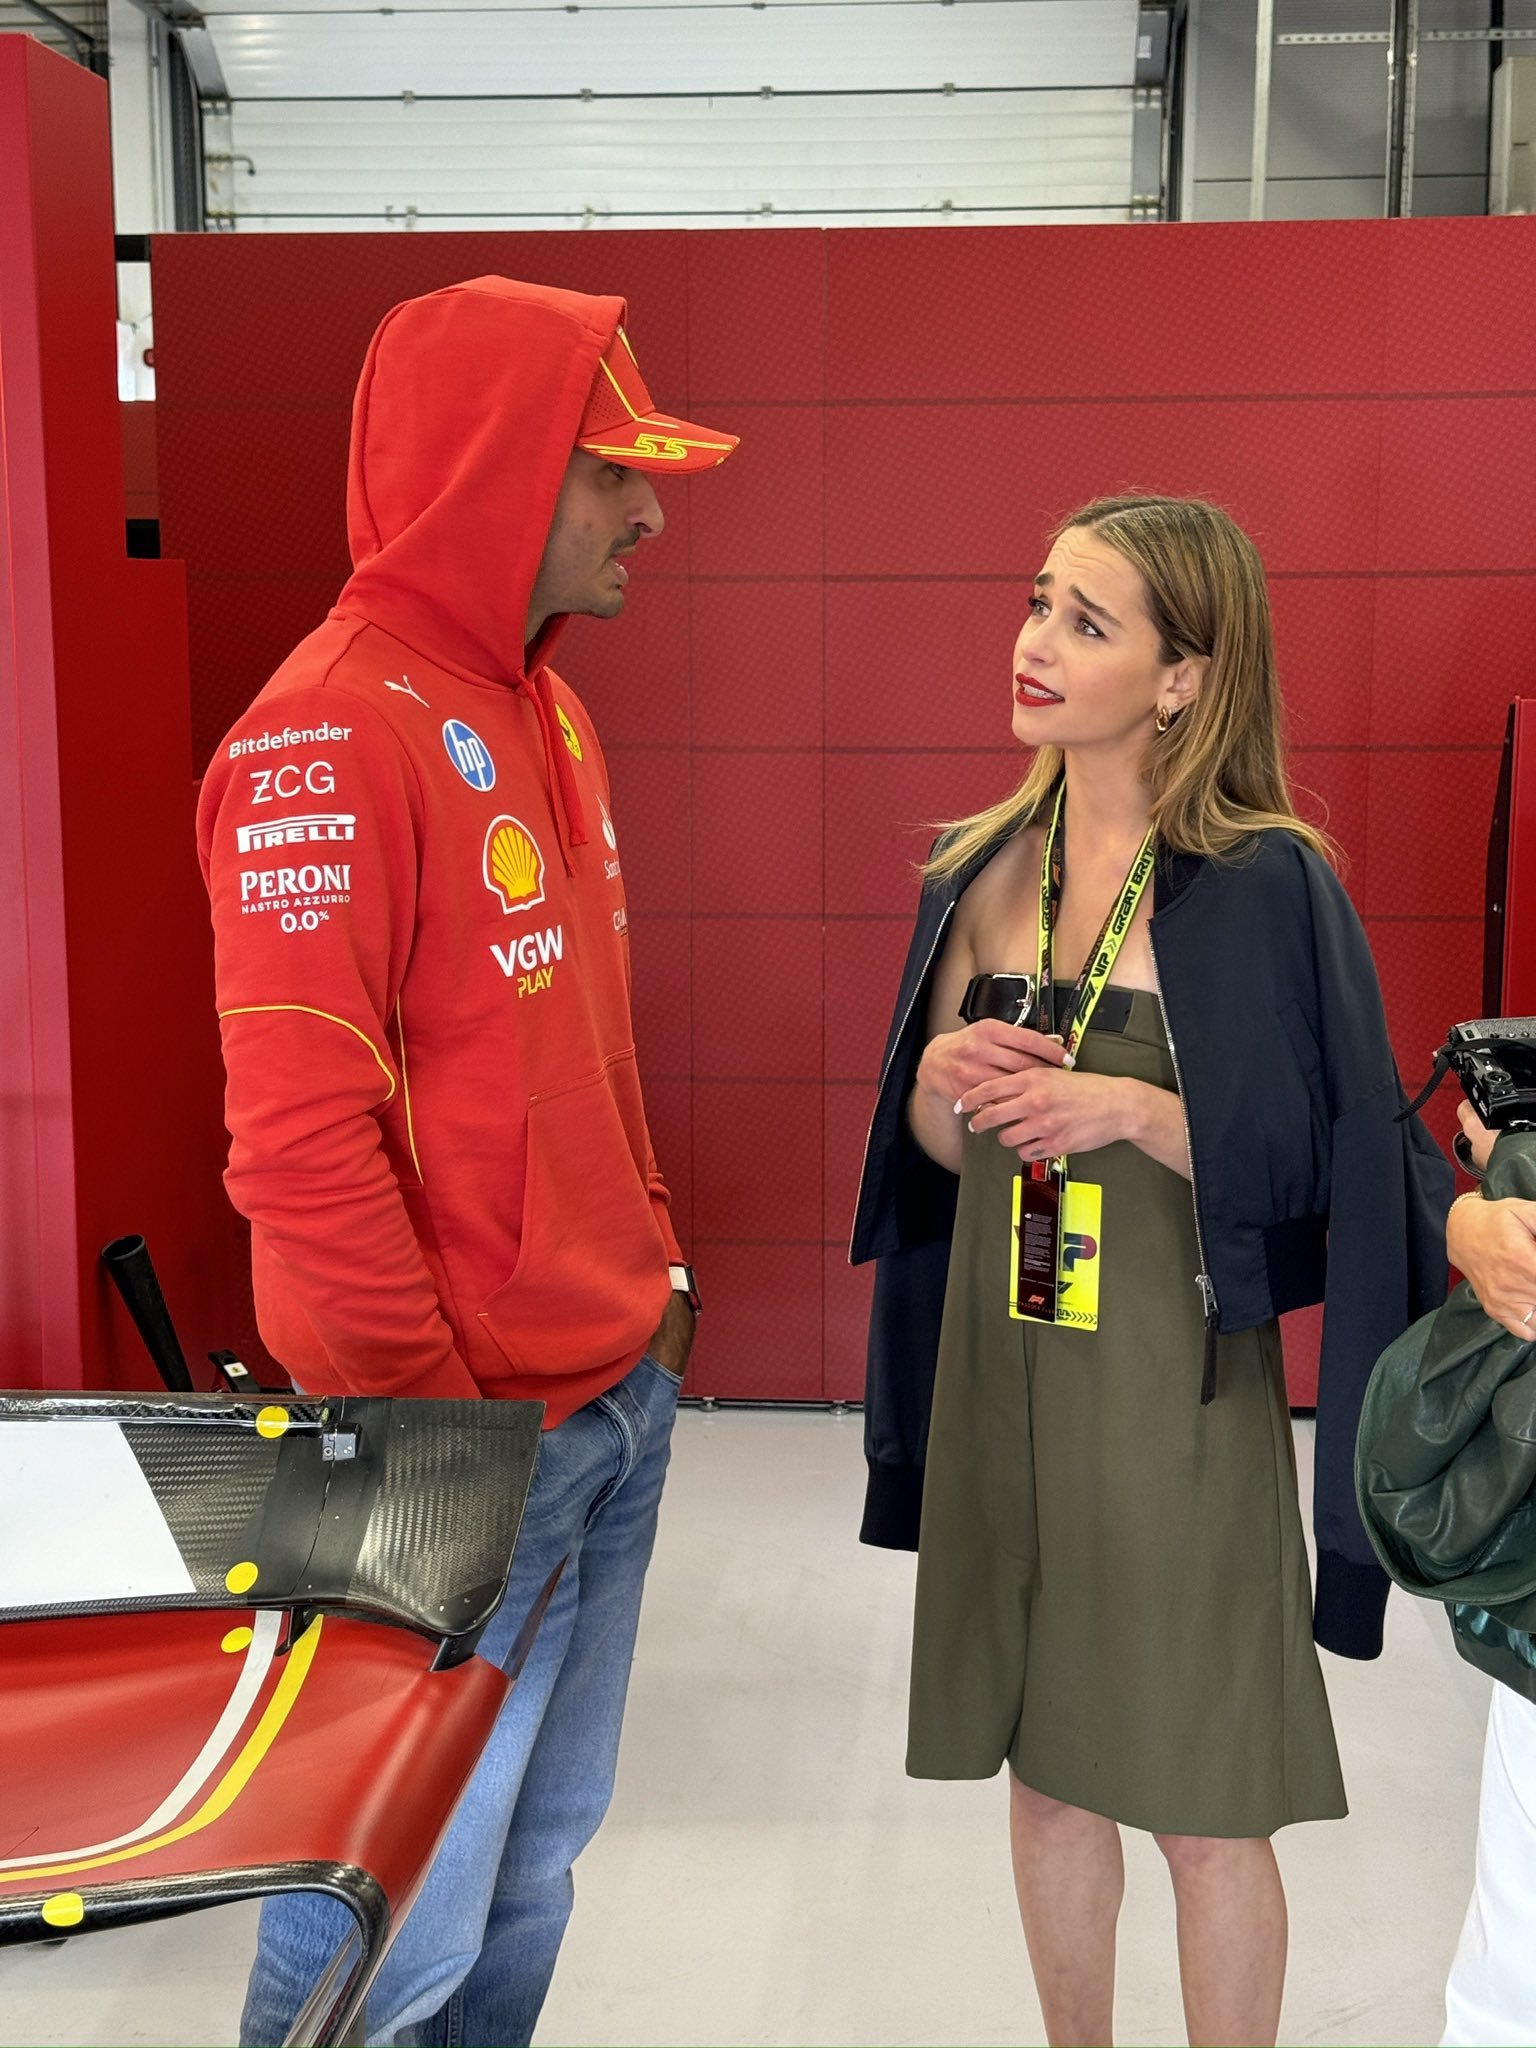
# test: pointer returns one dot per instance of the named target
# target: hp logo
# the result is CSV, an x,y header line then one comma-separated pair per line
x,y
467,752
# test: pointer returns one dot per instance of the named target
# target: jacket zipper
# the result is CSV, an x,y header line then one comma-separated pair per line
x,y
1203,1278
900,1032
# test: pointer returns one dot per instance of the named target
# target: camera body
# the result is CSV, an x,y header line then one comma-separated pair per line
x,y
1494,1059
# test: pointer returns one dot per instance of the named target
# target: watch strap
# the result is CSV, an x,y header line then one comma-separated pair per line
x,y
683,1283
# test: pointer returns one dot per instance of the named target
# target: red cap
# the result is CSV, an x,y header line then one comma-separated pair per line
x,y
622,424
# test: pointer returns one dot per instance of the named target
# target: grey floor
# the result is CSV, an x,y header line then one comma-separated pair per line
x,y
768,1874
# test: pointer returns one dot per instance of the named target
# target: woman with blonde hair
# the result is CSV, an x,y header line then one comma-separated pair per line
x,y
1138,1100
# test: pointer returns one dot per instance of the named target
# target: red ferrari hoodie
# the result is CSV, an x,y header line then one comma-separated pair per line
x,y
418,904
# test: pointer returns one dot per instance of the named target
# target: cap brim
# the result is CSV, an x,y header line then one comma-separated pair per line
x,y
659,442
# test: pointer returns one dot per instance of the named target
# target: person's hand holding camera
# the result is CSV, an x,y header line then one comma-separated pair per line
x,y
1494,1243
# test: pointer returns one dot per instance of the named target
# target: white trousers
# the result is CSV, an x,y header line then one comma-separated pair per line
x,y
1490,1998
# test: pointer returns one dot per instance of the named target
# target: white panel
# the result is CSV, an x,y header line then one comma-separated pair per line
x,y
78,1520
1057,155
898,45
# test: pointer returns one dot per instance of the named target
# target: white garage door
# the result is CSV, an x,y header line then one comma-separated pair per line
x,y
702,113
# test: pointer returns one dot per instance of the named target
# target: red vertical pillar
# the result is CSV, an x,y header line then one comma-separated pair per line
x,y
109,1081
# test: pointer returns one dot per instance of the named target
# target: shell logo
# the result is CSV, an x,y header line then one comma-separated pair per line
x,y
513,866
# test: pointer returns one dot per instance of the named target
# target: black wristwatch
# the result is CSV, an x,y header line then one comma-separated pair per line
x,y
683,1283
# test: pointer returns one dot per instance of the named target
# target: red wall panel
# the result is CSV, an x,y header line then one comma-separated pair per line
x,y
959,490
651,803
1456,482
921,662
1416,802
757,832
1324,648
1078,314
1458,306
757,999
756,655
862,965
612,661
1451,652
814,666
1329,785
844,1127
882,814
756,325
109,1077
664,1033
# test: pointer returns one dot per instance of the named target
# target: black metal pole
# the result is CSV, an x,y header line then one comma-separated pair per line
x,y
84,46
1495,59
1400,56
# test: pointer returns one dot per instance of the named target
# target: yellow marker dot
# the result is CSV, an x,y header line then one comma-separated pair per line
x,y
237,1639
241,1577
64,1909
272,1422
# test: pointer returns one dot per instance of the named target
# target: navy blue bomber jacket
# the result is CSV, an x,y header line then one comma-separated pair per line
x,y
1305,1188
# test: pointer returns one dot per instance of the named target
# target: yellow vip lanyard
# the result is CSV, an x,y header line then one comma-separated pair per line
x,y
1100,963
1057,1223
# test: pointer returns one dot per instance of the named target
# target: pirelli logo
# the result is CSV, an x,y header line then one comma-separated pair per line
x,y
319,825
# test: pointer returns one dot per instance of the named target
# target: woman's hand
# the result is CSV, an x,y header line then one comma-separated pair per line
x,y
956,1061
1044,1111
1494,1244
1479,1137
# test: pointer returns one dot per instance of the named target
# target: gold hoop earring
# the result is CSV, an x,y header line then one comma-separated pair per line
x,y
1164,719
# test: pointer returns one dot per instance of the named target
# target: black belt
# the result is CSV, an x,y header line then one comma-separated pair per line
x,y
998,995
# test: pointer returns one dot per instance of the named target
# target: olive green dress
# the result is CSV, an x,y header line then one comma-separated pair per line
x,y
1112,1588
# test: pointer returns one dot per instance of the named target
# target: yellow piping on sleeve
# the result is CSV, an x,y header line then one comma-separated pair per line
x,y
303,1010
405,1091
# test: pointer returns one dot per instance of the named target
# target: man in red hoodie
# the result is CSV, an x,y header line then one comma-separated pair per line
x,y
438,1136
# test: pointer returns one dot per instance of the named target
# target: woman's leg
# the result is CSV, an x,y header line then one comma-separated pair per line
x,y
1232,1930
1070,1878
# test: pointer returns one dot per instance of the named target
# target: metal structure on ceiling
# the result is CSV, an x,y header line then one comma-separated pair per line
x,y
1408,31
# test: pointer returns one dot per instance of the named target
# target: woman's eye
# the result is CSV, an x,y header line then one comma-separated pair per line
x,y
1038,607
1088,626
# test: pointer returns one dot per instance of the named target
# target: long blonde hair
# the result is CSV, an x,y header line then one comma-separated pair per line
x,y
1217,776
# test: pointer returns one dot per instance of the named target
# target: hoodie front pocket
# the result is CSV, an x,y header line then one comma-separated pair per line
x,y
591,1274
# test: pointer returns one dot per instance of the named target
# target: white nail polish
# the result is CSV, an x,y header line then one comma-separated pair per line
x,y
960,1108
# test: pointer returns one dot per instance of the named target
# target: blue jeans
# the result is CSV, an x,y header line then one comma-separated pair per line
x,y
473,1960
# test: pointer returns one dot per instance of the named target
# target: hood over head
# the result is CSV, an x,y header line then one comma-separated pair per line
x,y
467,410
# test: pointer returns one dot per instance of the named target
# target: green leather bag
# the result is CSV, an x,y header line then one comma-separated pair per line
x,y
1445,1462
